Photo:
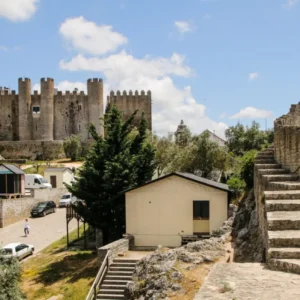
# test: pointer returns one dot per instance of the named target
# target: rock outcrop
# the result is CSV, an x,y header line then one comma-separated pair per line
x,y
246,233
157,275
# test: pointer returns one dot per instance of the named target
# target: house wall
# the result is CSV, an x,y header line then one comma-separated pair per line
x,y
61,177
159,213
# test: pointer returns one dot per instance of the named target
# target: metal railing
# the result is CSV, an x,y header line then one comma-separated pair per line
x,y
92,295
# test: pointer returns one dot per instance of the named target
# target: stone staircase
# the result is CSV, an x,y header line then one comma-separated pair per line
x,y
119,273
282,206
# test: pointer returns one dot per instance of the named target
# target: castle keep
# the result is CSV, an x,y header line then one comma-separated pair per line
x,y
53,115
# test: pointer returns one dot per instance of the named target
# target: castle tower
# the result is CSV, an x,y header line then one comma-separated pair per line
x,y
46,115
95,103
24,106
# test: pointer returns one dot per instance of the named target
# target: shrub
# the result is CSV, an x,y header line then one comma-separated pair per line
x,y
72,147
237,185
247,170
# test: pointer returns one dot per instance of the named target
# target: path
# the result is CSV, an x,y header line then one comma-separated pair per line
x,y
248,281
43,231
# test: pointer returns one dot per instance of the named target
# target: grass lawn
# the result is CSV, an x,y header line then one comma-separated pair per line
x,y
56,271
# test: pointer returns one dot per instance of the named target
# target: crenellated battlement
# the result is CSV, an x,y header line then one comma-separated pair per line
x,y
130,93
94,80
24,80
47,80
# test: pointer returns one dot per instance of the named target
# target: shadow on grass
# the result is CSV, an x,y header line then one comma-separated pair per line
x,y
74,267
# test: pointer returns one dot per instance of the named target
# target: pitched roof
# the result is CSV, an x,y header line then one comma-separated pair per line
x,y
191,177
13,168
57,169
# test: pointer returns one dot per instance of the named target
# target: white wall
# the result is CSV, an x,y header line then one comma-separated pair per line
x,y
61,177
160,212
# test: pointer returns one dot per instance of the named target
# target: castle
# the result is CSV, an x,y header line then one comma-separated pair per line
x,y
53,115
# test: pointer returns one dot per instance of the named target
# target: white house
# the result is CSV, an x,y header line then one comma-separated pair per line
x,y
58,176
163,210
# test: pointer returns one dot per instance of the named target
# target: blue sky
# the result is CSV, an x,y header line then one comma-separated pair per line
x,y
211,63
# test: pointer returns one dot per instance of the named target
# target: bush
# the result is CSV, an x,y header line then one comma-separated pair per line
x,y
237,185
72,147
10,275
247,170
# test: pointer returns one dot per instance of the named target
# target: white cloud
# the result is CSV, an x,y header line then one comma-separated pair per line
x,y
252,113
89,37
183,26
291,3
18,10
252,76
223,115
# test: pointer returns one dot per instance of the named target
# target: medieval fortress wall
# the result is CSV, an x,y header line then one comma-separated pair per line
x,y
53,115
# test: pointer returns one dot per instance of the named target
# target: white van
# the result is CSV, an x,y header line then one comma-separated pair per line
x,y
66,199
36,181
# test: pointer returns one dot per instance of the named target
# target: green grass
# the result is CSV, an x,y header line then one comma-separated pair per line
x,y
58,271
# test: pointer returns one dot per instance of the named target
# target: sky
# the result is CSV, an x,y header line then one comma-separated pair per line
x,y
210,63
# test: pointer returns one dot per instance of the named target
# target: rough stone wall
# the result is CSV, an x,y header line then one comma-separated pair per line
x,y
287,139
32,150
13,210
128,103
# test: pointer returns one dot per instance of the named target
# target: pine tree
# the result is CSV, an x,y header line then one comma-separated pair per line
x,y
123,159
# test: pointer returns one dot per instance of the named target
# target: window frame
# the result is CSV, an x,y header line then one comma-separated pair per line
x,y
203,216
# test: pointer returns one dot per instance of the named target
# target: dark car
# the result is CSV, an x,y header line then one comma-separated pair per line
x,y
43,208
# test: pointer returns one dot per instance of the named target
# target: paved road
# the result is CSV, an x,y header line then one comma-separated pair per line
x,y
43,231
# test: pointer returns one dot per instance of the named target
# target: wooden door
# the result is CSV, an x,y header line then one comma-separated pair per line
x,y
53,181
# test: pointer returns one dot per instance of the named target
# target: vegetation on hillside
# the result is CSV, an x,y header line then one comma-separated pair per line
x,y
122,159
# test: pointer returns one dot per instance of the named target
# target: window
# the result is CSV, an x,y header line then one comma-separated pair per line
x,y
36,109
201,210
37,181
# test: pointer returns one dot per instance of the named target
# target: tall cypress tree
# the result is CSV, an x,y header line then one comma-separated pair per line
x,y
122,159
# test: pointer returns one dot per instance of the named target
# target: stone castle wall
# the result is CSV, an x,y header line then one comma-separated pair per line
x,y
287,139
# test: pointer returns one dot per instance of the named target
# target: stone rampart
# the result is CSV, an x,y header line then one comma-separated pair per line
x,y
32,150
49,194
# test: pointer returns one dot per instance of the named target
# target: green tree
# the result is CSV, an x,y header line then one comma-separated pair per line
x,y
247,168
72,147
122,159
237,185
10,276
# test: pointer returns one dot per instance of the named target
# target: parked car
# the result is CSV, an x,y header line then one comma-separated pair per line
x,y
66,199
17,249
36,181
43,209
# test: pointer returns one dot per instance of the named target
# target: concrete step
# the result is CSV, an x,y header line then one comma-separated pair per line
x,y
273,195
284,253
123,264
284,185
273,171
283,205
129,269
113,287
118,277
115,281
128,260
283,220
267,166
284,238
109,296
280,177
111,291
286,265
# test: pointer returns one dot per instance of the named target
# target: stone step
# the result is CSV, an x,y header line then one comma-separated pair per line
x,y
273,171
280,177
273,195
284,238
283,220
264,155
115,281
283,205
118,277
123,264
264,161
109,296
286,265
284,185
267,166
111,291
113,286
284,253
117,268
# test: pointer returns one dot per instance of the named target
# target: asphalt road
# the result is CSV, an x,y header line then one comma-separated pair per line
x,y
43,231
